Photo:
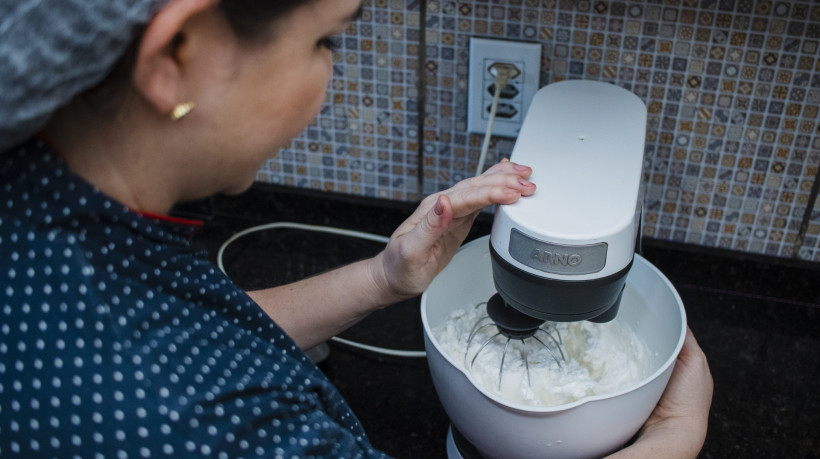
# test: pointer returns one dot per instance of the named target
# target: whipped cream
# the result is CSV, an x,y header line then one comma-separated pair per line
x,y
600,359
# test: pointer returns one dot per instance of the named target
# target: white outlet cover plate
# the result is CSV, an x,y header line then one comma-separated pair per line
x,y
484,52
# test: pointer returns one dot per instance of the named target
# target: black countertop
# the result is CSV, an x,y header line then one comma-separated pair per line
x,y
755,318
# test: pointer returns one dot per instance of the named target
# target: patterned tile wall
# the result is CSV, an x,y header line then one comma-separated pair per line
x,y
732,88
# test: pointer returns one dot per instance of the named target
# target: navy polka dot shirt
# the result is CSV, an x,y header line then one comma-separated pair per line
x,y
119,339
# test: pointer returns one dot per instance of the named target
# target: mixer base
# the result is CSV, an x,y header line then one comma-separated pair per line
x,y
459,447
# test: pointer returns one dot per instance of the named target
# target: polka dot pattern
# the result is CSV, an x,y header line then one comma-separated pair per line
x,y
119,339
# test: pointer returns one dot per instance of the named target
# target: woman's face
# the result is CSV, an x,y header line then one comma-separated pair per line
x,y
268,93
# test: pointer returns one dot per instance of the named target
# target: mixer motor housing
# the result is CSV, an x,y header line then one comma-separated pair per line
x,y
563,254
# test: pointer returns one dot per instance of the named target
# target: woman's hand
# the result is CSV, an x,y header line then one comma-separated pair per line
x,y
423,245
677,426
314,309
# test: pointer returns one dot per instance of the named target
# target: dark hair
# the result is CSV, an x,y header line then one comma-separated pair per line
x,y
250,20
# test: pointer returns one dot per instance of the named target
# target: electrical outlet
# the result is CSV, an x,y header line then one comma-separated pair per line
x,y
515,97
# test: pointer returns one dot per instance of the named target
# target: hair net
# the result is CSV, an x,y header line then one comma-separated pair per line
x,y
52,50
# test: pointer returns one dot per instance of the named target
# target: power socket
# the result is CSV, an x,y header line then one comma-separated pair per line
x,y
515,97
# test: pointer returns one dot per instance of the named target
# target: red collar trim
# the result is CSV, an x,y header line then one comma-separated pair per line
x,y
168,218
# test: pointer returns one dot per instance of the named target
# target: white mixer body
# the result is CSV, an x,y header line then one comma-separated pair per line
x,y
584,141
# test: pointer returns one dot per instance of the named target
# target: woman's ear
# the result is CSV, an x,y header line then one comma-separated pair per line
x,y
159,70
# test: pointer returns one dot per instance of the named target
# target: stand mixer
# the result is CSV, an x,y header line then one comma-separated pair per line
x,y
564,254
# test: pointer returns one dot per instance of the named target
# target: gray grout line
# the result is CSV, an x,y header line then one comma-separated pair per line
x,y
804,224
421,83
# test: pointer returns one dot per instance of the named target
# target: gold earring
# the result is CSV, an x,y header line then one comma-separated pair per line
x,y
181,110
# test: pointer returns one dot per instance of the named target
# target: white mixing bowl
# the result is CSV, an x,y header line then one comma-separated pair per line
x,y
590,427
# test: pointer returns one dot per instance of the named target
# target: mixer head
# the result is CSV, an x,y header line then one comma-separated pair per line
x,y
563,253
558,300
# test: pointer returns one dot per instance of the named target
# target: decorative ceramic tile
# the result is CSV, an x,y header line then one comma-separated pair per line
x,y
732,89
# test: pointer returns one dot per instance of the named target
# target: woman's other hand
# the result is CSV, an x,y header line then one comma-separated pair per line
x,y
423,245
677,426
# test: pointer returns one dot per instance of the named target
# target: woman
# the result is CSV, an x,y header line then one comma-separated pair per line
x,y
118,337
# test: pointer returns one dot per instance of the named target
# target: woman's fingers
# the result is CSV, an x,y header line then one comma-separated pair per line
x,y
434,224
504,183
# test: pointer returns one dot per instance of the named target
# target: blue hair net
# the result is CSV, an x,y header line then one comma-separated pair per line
x,y
52,50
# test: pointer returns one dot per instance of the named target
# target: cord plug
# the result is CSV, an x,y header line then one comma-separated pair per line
x,y
503,73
